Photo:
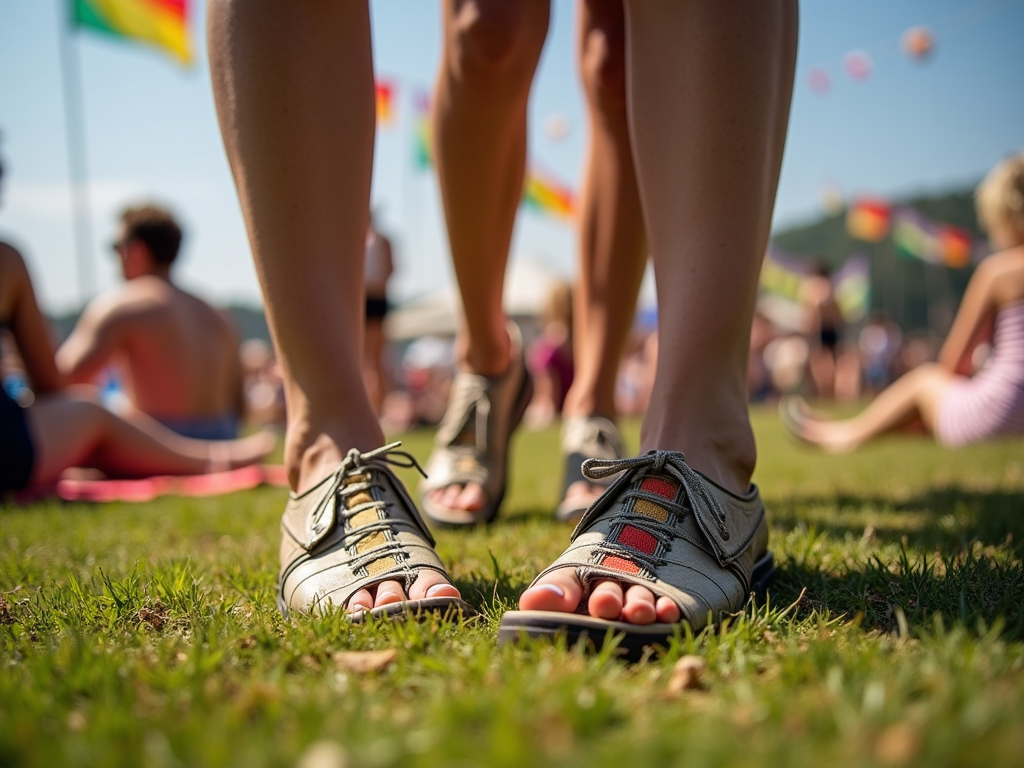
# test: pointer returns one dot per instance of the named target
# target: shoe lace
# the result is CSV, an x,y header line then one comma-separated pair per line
x,y
655,463
359,466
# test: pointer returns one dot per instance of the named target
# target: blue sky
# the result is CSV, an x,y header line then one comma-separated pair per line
x,y
150,133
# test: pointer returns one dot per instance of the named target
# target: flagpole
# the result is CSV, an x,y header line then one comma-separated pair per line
x,y
74,126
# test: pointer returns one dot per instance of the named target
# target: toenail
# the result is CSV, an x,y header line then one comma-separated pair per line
x,y
552,588
435,589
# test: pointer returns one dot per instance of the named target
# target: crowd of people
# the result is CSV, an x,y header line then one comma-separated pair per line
x,y
669,530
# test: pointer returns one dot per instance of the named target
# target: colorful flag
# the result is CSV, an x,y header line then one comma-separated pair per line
x,y
852,285
783,275
914,236
956,246
543,193
385,93
918,237
868,220
423,135
161,23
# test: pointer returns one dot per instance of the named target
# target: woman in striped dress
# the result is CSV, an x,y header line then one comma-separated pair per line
x,y
957,402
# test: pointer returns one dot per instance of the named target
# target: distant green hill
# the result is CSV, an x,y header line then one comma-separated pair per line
x,y
916,295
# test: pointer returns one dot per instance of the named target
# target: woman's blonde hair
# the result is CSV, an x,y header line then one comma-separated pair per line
x,y
1000,197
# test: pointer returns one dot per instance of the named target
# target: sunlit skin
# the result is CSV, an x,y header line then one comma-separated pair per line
x,y
707,162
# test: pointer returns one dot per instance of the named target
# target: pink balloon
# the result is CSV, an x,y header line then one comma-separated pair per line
x,y
819,81
857,65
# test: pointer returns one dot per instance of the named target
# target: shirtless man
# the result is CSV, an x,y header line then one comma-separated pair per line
x,y
177,354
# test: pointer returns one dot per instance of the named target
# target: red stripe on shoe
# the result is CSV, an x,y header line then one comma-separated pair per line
x,y
620,564
663,488
637,539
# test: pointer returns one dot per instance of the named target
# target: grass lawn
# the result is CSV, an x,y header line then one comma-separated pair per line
x,y
147,635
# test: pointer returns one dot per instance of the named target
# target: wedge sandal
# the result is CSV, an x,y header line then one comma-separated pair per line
x,y
355,529
585,437
472,441
666,527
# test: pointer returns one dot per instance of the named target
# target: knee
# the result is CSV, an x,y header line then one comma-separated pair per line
x,y
496,42
603,70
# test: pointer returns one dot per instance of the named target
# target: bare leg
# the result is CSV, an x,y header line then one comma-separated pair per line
x,y
709,92
913,397
295,99
612,242
490,54
72,430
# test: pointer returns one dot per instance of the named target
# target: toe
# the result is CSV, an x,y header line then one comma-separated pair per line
x,y
431,584
667,611
388,592
583,493
606,601
471,499
360,601
558,591
639,607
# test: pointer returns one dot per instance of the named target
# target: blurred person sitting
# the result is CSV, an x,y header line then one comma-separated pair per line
x,y
952,398
177,356
56,428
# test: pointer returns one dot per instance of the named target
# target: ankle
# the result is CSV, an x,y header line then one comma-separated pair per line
x,y
725,454
312,454
490,356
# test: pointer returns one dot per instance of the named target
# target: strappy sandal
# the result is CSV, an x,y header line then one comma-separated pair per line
x,y
355,529
472,441
585,437
666,527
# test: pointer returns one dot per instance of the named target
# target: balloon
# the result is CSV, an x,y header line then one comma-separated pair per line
x,y
819,81
857,65
556,127
918,43
832,198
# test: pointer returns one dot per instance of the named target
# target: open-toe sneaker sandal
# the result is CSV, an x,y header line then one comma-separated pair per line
x,y
472,440
353,530
666,527
585,437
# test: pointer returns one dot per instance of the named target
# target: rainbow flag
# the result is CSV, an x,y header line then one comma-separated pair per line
x,y
543,193
868,220
852,284
385,94
783,275
914,236
423,135
956,246
160,23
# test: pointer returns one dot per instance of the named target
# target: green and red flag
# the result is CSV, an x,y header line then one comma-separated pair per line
x,y
160,23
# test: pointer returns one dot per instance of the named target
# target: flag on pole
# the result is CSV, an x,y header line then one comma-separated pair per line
x,y
545,194
852,285
868,220
423,154
956,245
163,24
385,94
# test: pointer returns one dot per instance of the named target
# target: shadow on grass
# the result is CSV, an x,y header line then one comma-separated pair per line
x,y
945,519
951,551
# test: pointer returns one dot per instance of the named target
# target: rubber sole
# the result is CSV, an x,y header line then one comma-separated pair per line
x,y
632,639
